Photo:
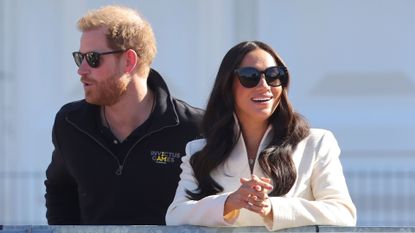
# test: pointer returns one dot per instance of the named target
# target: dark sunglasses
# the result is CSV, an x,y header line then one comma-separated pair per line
x,y
274,76
92,58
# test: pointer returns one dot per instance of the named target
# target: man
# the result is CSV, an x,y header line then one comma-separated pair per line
x,y
117,153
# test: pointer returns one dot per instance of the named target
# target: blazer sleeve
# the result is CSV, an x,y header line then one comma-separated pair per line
x,y
61,190
332,204
183,211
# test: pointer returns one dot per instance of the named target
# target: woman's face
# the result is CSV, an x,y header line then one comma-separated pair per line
x,y
258,103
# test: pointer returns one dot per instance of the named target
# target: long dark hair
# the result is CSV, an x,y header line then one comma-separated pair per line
x,y
289,128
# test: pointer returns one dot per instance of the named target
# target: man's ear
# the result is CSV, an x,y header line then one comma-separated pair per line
x,y
131,60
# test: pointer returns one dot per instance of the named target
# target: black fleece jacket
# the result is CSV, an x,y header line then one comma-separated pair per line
x,y
86,183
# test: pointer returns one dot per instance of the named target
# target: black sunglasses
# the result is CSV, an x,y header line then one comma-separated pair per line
x,y
92,58
274,76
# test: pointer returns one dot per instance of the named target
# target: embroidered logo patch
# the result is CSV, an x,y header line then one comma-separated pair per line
x,y
164,157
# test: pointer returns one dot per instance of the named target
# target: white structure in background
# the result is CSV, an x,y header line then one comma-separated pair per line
x,y
352,72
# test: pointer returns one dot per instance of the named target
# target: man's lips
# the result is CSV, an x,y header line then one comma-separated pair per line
x,y
85,82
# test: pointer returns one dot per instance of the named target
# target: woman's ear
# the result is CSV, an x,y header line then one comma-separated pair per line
x,y
131,60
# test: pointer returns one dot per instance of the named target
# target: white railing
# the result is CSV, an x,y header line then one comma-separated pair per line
x,y
190,229
383,197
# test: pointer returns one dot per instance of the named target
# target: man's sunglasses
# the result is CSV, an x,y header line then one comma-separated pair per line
x,y
92,58
274,76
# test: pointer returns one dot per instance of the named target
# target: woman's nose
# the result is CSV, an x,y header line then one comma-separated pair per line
x,y
262,81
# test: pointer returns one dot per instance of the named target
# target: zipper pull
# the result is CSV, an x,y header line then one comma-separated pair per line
x,y
119,170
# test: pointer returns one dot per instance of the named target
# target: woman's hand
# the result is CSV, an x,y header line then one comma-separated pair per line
x,y
251,195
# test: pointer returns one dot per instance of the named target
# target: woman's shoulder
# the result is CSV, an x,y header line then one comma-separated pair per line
x,y
195,146
317,133
322,141
319,136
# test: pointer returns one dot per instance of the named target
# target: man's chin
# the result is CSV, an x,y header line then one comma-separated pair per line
x,y
99,102
90,100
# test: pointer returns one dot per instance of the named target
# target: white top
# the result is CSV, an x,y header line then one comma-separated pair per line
x,y
319,195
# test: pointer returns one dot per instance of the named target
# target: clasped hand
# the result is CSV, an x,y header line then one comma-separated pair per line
x,y
251,195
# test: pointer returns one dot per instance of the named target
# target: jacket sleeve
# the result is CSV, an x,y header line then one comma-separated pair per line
x,y
183,211
332,204
61,190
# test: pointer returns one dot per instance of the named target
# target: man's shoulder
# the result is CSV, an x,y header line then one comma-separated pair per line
x,y
72,107
187,111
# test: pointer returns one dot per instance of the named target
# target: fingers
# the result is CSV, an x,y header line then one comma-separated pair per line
x,y
266,179
258,201
256,197
254,194
258,184
264,208
244,180
264,182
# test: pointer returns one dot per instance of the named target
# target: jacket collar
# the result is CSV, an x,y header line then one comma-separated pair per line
x,y
266,138
85,116
239,153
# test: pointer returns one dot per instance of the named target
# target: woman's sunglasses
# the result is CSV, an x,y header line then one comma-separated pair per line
x,y
92,58
274,76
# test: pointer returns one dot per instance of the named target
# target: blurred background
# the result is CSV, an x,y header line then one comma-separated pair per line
x,y
351,62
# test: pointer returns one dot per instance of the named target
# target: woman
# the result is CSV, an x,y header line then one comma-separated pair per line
x,y
260,164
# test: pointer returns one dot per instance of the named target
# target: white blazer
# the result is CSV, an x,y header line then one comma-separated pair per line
x,y
319,195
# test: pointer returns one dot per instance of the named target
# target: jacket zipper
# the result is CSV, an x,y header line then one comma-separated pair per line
x,y
120,168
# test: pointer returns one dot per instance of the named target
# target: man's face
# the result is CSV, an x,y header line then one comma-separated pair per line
x,y
105,84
